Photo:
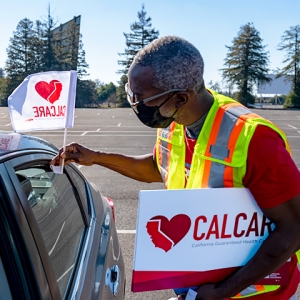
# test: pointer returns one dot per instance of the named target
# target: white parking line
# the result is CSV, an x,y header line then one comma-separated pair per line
x,y
50,252
8,124
127,231
84,133
292,126
119,124
64,274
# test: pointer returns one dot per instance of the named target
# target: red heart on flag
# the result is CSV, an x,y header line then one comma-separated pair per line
x,y
49,91
166,234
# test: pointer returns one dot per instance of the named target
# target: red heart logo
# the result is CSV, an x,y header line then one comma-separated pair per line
x,y
166,234
49,91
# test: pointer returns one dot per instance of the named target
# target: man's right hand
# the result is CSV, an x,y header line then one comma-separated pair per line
x,y
74,153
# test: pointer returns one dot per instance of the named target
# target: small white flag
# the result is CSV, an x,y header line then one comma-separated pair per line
x,y
44,101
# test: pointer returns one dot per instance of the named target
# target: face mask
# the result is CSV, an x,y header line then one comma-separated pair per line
x,y
151,116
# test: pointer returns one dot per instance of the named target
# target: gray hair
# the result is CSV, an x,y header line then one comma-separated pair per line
x,y
175,62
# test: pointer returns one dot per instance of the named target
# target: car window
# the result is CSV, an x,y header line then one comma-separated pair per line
x,y
56,210
78,181
4,287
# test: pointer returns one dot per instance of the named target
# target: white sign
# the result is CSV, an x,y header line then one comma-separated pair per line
x,y
10,141
194,234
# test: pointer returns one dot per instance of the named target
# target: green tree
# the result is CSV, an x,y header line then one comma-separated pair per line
x,y
85,94
3,91
39,47
290,43
50,62
246,63
120,92
20,54
142,34
105,91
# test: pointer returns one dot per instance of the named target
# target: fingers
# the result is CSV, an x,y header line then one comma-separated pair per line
x,y
69,155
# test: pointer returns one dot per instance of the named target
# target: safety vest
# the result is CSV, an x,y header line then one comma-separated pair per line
x,y
220,154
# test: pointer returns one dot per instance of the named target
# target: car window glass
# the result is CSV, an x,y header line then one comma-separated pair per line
x,y
55,207
4,287
78,181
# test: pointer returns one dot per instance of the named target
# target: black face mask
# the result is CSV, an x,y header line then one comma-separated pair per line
x,y
151,116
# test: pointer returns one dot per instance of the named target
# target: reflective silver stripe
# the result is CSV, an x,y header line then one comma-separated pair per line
x,y
226,126
249,290
219,152
220,149
215,180
239,110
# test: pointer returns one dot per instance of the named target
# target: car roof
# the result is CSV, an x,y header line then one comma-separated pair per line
x,y
26,142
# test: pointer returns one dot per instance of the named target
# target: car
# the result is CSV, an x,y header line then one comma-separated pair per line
x,y
58,238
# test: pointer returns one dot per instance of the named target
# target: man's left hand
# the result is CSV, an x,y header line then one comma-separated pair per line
x,y
205,292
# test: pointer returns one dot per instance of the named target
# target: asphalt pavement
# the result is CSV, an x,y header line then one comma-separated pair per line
x,y
118,130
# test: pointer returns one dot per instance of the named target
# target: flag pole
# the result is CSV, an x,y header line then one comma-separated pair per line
x,y
64,149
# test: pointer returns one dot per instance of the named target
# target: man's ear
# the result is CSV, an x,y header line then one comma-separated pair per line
x,y
182,99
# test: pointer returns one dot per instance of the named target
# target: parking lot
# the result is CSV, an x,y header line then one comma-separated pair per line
x,y
119,130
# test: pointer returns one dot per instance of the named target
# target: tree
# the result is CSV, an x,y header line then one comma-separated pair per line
x,y
246,63
85,93
215,86
290,42
20,54
39,47
3,93
105,91
142,35
121,94
50,62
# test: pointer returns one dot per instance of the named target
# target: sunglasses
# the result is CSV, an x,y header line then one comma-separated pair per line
x,y
132,101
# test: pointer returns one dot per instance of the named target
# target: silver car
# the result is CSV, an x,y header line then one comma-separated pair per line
x,y
57,232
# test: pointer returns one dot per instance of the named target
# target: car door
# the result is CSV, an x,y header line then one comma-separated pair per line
x,y
71,239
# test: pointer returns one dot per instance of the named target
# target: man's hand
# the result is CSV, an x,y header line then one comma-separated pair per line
x,y
205,292
74,153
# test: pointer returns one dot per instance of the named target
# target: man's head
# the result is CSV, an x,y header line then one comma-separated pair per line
x,y
176,64
165,83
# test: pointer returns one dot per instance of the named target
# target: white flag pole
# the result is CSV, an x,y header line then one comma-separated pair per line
x,y
71,105
64,149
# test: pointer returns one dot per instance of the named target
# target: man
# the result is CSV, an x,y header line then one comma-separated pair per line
x,y
209,140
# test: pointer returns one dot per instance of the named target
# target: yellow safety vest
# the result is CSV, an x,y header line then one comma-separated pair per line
x,y
220,154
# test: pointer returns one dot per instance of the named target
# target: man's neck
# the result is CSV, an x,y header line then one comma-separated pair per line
x,y
199,107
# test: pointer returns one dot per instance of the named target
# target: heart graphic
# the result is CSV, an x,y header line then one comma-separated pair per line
x,y
166,234
49,91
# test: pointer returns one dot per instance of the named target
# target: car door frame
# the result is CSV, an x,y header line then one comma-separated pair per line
x,y
39,257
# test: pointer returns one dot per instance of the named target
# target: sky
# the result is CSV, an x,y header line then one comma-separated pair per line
x,y
210,25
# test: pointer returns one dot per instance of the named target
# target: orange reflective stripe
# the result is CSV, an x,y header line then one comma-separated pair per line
x,y
171,131
214,132
211,141
259,288
228,177
233,138
230,105
248,116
